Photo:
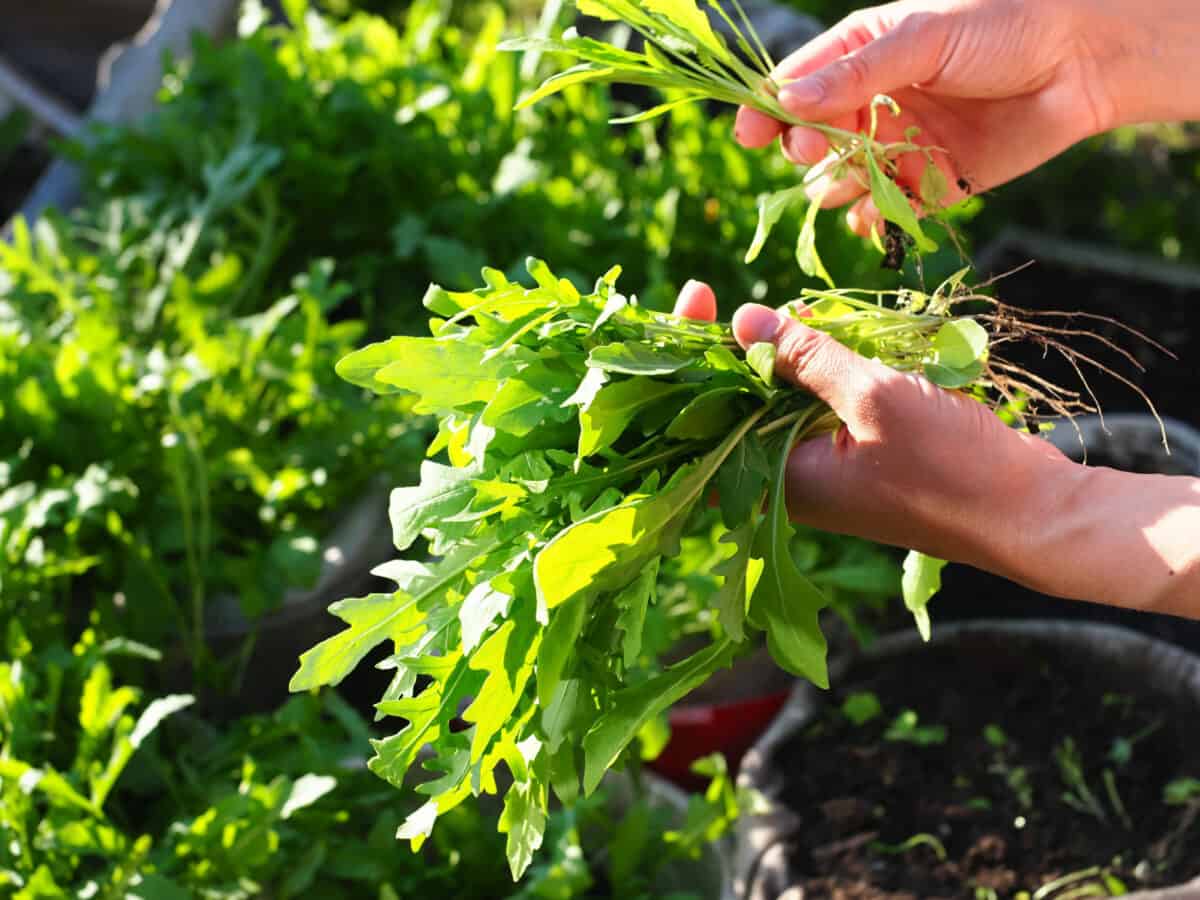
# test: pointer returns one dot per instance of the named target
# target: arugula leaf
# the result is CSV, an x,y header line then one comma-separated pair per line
x,y
806,246
607,550
740,574
771,208
960,343
784,601
636,359
443,492
894,206
761,357
614,406
634,706
922,579
633,602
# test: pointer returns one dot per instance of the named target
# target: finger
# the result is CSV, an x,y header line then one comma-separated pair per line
x,y
847,36
816,478
697,301
832,192
899,58
810,359
863,216
804,146
753,129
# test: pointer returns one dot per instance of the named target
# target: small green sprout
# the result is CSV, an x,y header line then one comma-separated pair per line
x,y
1091,882
917,840
1182,792
1121,751
861,707
1078,795
995,736
905,728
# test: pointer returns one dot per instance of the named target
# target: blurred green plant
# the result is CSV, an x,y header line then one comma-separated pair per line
x,y
279,805
150,462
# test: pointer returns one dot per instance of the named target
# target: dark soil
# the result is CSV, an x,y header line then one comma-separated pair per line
x,y
997,810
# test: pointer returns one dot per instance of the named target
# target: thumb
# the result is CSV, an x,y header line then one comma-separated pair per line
x,y
899,58
810,359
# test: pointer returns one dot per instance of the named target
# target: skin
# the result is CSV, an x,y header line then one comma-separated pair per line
x,y
1000,86
969,489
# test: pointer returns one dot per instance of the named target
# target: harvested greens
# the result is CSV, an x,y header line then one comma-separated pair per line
x,y
586,436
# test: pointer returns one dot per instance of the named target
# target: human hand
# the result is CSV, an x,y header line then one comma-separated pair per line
x,y
913,465
999,85
933,470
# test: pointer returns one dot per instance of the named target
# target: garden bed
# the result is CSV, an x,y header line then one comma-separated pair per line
x,y
1037,758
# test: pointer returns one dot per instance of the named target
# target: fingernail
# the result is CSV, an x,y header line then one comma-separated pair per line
x,y
753,324
798,96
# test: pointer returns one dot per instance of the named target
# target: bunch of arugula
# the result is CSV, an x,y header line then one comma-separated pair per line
x,y
585,435
690,61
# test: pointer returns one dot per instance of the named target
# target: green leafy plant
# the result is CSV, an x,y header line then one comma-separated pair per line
x,y
1182,791
906,728
689,61
54,794
861,707
584,434
143,473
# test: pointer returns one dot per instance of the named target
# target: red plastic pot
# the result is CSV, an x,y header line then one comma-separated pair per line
x,y
726,716
726,728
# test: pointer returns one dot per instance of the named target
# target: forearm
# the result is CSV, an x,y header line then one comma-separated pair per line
x,y
1118,538
1144,58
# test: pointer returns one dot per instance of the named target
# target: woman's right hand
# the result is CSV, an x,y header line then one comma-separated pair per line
x,y
1000,85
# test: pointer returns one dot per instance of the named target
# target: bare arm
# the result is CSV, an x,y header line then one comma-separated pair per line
x,y
1117,538
916,466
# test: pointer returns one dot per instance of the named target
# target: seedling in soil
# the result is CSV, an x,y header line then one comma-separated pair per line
x,y
995,736
905,727
1114,798
1121,751
917,840
1016,778
1077,795
862,707
1182,792
1095,881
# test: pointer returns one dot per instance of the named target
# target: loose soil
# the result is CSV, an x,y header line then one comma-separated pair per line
x,y
997,810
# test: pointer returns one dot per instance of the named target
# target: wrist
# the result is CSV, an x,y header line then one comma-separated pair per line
x,y
1138,60
1036,520
1116,538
